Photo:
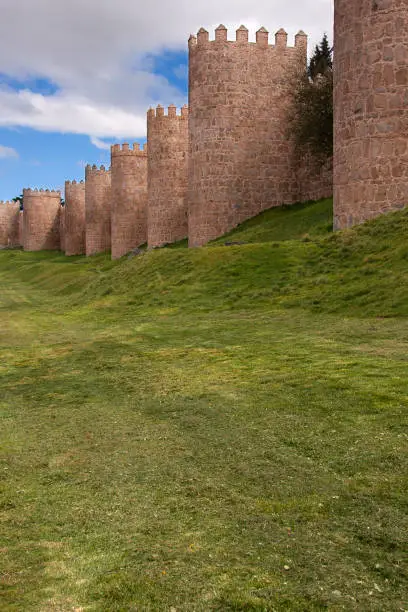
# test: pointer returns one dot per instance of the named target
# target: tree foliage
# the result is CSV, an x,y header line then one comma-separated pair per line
x,y
311,108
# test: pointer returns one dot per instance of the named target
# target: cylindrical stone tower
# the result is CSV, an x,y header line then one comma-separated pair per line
x,y
370,109
129,198
167,209
41,220
240,158
9,224
74,218
97,209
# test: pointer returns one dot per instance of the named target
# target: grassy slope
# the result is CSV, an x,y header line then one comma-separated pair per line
x,y
180,427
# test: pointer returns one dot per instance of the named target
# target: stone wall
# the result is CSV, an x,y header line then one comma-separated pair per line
x,y
74,218
62,229
21,228
41,220
97,209
370,109
9,224
315,179
240,159
129,198
167,136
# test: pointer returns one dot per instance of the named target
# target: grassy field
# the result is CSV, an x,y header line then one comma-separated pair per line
x,y
222,428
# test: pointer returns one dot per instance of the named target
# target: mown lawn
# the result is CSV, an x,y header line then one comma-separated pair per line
x,y
217,429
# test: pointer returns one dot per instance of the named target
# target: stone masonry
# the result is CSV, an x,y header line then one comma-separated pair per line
x,y
62,229
240,159
41,220
167,135
74,218
9,224
97,209
371,109
129,198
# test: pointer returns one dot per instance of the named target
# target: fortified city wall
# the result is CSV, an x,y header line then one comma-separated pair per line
x,y
9,224
74,218
370,109
62,229
97,209
240,159
167,135
41,229
129,198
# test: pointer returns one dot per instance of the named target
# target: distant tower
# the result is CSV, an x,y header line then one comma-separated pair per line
x,y
41,220
9,224
240,159
129,198
74,218
167,136
371,109
97,209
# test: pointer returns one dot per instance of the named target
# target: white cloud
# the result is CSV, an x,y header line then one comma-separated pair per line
x,y
94,52
7,152
100,144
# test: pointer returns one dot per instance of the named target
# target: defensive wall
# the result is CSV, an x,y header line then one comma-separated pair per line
x,y
62,229
240,159
227,156
41,225
128,198
167,210
9,224
370,109
97,209
74,218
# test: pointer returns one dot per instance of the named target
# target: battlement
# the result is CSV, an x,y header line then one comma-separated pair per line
x,y
152,113
95,171
9,203
78,184
41,193
125,149
202,39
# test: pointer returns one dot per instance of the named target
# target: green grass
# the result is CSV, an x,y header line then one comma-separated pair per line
x,y
179,428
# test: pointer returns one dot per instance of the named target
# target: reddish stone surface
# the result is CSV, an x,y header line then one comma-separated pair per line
x,y
74,218
240,159
371,109
97,209
167,135
41,220
21,228
315,180
9,224
129,198
62,229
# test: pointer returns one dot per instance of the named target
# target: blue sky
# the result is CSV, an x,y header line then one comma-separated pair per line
x,y
81,75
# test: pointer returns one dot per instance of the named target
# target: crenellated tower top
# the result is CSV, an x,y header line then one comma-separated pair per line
x,y
95,171
159,112
202,39
124,149
41,193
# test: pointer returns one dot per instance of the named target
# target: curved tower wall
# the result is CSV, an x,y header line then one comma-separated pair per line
x,y
9,224
240,159
167,209
129,198
74,218
97,209
41,220
370,109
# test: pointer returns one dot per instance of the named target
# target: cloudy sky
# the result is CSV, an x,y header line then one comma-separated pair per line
x,y
78,75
